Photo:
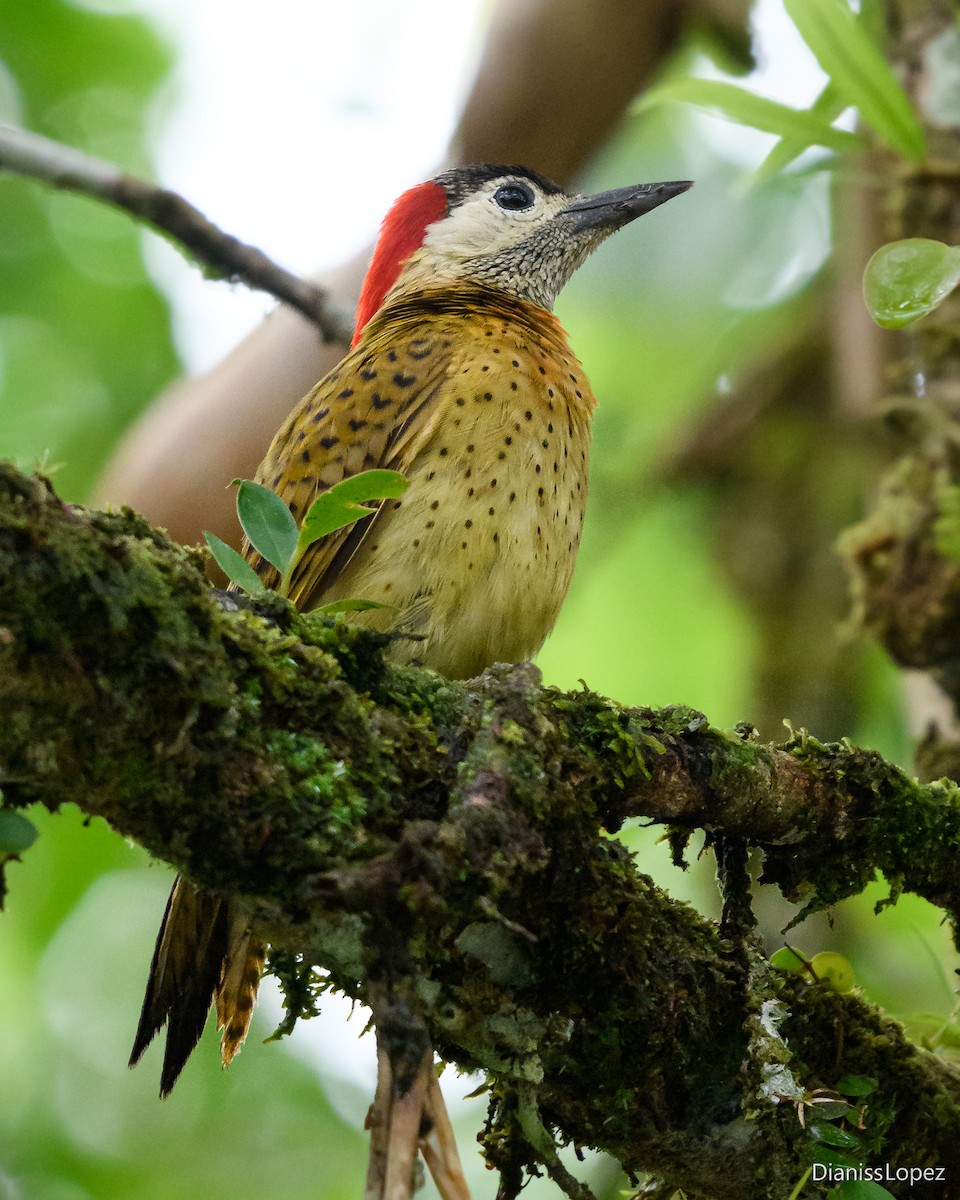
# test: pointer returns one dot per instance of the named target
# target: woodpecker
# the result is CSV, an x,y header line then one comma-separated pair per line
x,y
461,378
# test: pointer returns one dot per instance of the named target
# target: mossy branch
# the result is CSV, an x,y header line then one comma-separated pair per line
x,y
446,845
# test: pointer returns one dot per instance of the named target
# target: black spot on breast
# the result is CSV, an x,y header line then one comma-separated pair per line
x,y
367,374
392,356
319,415
305,455
345,394
329,442
356,423
381,402
402,380
420,349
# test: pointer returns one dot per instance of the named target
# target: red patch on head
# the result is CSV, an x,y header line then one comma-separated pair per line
x,y
400,235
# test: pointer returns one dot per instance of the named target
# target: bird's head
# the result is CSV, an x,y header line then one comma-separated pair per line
x,y
507,227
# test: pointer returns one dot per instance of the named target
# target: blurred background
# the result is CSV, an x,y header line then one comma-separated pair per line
x,y
722,475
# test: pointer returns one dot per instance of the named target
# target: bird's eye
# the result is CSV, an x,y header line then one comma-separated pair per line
x,y
514,197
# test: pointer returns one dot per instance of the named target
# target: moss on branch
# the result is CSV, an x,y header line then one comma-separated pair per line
x,y
447,846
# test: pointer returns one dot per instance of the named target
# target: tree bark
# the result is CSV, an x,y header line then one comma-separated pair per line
x,y
449,846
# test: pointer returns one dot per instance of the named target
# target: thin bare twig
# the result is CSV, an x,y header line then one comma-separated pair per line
x,y
61,166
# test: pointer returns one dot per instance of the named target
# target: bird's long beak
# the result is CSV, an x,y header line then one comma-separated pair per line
x,y
610,210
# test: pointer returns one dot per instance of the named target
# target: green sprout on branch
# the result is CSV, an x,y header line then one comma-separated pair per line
x,y
272,531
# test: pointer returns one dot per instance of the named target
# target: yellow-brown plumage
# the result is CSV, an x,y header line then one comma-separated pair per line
x,y
478,400
462,380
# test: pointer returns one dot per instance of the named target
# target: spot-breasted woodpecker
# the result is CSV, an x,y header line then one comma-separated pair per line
x,y
461,378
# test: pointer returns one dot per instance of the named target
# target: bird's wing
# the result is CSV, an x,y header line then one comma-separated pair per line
x,y
375,410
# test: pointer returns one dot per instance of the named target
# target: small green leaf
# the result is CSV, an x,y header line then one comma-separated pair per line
x,y
832,1158
862,1189
372,485
16,832
831,1110
747,108
848,54
339,606
833,1135
788,960
343,503
905,280
234,565
267,522
856,1085
827,106
834,970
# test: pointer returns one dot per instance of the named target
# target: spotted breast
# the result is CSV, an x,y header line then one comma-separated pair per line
x,y
481,404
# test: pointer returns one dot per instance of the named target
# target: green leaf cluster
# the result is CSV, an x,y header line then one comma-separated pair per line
x,y
842,1136
859,77
271,530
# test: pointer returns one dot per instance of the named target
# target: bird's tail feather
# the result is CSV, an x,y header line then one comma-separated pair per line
x,y
237,991
204,955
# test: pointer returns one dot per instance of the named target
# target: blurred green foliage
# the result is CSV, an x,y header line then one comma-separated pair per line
x,y
84,336
668,319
